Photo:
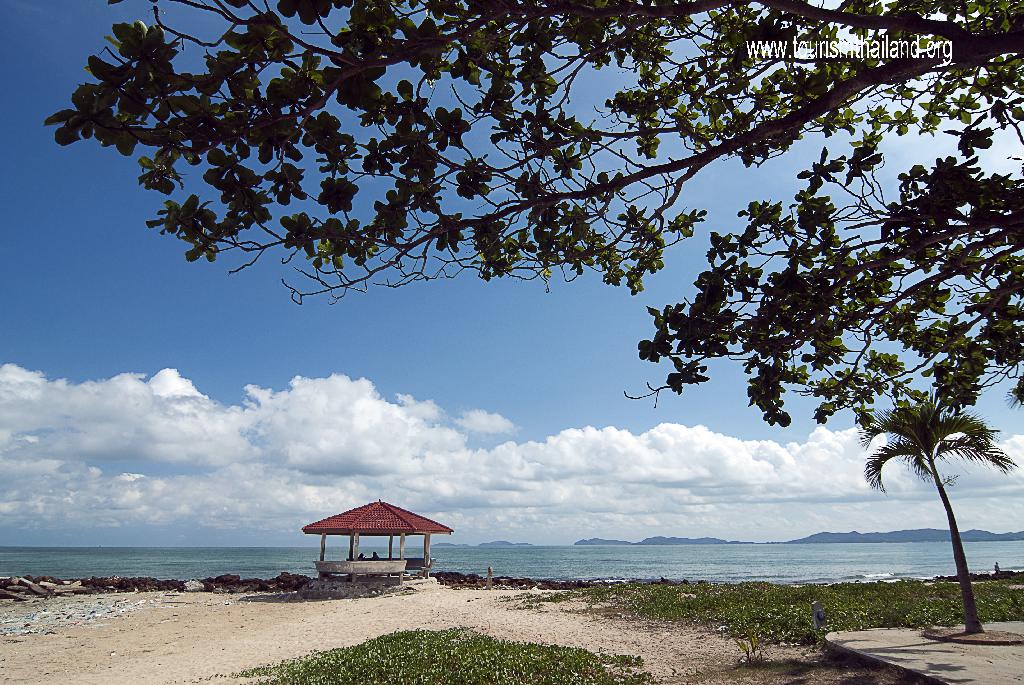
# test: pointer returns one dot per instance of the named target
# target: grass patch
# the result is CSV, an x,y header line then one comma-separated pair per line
x,y
782,613
531,600
453,657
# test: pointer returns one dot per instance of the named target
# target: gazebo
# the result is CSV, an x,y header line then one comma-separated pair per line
x,y
375,519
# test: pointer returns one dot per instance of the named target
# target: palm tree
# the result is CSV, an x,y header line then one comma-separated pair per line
x,y
921,436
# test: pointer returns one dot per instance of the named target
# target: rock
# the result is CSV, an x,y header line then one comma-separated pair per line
x,y
71,590
34,587
4,594
194,586
18,589
288,582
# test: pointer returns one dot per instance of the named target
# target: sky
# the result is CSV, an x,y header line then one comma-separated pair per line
x,y
146,400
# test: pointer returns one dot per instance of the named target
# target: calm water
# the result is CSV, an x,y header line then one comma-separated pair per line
x,y
725,563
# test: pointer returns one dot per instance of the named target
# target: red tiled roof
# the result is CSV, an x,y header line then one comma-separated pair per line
x,y
376,517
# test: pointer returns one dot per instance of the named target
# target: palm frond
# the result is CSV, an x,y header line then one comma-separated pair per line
x,y
966,424
973,449
897,449
877,425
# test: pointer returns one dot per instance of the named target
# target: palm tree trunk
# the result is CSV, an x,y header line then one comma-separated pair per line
x,y
972,624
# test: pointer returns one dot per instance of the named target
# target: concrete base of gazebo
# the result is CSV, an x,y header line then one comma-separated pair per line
x,y
340,588
353,569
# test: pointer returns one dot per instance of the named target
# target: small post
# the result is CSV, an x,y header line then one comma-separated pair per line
x,y
490,577
323,545
818,616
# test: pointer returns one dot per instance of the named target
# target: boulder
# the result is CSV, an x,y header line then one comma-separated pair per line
x,y
194,586
33,587
4,594
71,590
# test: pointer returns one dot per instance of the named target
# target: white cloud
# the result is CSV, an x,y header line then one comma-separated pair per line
x,y
127,451
169,383
480,421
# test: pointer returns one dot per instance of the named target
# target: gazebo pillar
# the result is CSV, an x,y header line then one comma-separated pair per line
x,y
351,546
401,546
355,554
391,546
426,555
323,545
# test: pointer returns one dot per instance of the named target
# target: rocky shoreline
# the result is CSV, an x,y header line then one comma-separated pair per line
x,y
26,587
975,577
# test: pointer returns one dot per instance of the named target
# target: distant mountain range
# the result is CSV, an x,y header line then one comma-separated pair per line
x,y
916,535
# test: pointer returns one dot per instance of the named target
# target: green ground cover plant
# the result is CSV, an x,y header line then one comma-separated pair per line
x,y
453,657
782,613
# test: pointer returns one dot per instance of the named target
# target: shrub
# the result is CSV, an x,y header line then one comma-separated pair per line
x,y
453,657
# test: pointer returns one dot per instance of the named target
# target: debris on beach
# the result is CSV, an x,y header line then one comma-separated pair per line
x,y
20,589
44,618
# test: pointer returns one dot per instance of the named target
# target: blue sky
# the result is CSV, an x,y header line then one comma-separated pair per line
x,y
88,292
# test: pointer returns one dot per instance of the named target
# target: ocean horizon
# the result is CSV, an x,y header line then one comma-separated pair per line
x,y
778,563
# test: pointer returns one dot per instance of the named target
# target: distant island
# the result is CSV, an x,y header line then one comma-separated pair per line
x,y
496,543
916,535
660,540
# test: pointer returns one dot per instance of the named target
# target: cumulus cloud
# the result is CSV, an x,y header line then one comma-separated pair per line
x,y
480,421
130,451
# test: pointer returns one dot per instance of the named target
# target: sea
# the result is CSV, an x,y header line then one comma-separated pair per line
x,y
778,563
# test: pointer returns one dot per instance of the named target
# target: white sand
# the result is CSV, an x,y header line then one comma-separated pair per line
x,y
188,638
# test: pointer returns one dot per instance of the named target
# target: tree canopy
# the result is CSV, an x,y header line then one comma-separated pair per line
x,y
381,142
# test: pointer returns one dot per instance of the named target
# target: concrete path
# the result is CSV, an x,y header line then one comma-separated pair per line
x,y
944,662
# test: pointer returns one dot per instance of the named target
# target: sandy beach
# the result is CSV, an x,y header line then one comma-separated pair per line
x,y
168,637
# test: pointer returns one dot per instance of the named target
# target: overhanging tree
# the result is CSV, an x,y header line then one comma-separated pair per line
x,y
385,142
